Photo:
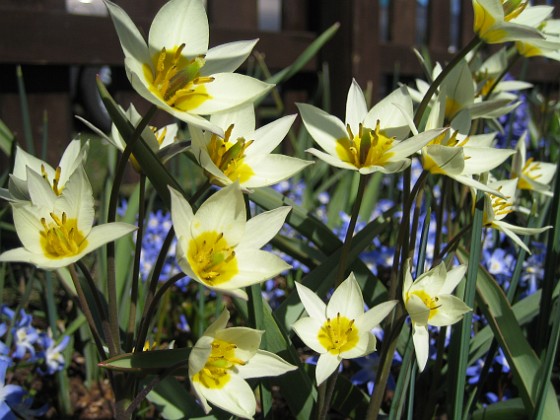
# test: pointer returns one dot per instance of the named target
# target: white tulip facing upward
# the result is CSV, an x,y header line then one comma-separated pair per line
x,y
369,141
56,230
223,358
429,301
244,154
340,329
219,247
176,71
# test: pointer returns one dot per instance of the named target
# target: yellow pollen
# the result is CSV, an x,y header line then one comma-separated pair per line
x,y
338,335
229,156
212,258
222,360
55,181
366,148
61,237
532,171
431,303
177,80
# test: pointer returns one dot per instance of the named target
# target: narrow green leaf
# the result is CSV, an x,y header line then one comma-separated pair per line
x,y
310,52
148,361
503,410
523,361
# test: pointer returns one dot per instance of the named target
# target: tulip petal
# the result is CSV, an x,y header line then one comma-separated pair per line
x,y
227,57
356,108
314,306
180,22
308,330
264,363
421,340
347,300
326,365
324,128
262,228
228,90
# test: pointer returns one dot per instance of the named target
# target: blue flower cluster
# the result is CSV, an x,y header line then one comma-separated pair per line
x,y
22,342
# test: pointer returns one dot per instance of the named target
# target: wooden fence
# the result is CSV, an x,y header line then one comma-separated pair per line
x,y
374,44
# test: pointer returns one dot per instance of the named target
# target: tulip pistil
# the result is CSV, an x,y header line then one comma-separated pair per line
x,y
366,148
177,80
61,238
338,334
212,258
215,373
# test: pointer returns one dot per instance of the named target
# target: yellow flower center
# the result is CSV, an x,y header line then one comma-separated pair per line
x,y
216,372
366,148
229,156
432,303
55,181
338,335
500,206
212,258
531,170
61,238
177,80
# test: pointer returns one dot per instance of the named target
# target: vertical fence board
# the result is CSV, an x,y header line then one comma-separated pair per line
x,y
295,15
402,22
439,24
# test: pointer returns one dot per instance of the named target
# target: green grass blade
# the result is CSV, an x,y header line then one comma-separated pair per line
x,y
6,139
25,117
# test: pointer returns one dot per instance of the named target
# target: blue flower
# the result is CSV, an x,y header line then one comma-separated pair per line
x,y
52,353
10,395
25,336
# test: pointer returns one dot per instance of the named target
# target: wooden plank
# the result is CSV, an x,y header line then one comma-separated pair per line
x,y
33,5
243,16
365,41
338,53
402,22
59,38
439,24
57,107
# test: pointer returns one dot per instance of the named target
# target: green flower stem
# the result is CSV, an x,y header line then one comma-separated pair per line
x,y
395,325
328,394
387,352
350,231
84,306
464,326
114,344
136,265
150,298
474,43
101,308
